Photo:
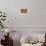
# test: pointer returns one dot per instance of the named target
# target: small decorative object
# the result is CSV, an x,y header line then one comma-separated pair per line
x,y
7,30
2,19
23,10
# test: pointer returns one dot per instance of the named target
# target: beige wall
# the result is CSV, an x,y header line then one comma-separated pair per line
x,y
12,9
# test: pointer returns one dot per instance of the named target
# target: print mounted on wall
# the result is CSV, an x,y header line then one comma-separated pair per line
x,y
23,10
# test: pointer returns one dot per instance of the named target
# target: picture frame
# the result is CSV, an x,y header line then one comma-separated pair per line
x,y
23,10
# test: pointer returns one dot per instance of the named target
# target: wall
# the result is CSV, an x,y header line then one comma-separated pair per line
x,y
15,19
28,23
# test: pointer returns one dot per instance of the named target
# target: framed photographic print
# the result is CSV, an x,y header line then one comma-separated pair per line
x,y
23,10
